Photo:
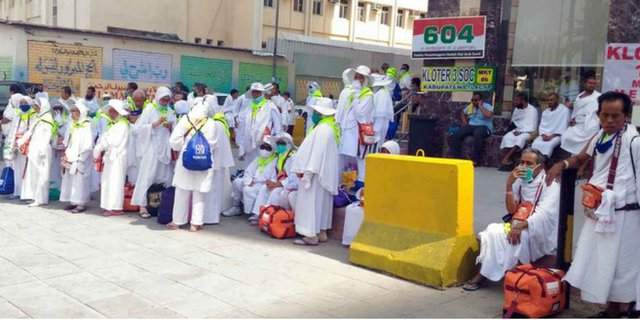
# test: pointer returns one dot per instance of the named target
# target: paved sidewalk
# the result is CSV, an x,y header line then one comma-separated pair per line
x,y
55,264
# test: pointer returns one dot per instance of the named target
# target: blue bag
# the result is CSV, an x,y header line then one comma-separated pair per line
x,y
391,132
397,93
197,154
6,181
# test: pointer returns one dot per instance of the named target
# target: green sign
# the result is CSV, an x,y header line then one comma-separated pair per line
x,y
451,79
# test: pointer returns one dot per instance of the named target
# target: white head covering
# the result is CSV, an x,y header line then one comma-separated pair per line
x,y
195,100
213,107
257,86
380,80
82,108
15,100
182,107
65,105
198,111
392,146
313,86
161,93
117,105
44,104
42,95
363,70
286,137
345,77
324,106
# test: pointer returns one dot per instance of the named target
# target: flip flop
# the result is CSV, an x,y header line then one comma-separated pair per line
x,y
470,286
195,228
78,210
303,242
172,226
111,213
144,215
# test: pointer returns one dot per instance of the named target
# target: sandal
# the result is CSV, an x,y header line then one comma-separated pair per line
x,y
304,242
172,226
604,315
70,207
473,286
195,228
144,215
78,210
112,213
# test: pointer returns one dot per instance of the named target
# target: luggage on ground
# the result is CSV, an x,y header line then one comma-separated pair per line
x,y
154,195
6,181
128,193
165,211
533,292
277,222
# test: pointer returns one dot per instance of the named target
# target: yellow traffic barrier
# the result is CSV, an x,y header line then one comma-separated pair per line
x,y
418,220
298,130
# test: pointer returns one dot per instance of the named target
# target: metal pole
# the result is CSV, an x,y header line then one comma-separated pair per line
x,y
565,224
275,43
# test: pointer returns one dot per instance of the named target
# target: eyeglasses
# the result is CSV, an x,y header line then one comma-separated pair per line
x,y
266,147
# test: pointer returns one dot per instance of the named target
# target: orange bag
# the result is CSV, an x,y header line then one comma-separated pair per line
x,y
25,147
525,209
533,292
591,196
128,193
367,135
277,222
99,162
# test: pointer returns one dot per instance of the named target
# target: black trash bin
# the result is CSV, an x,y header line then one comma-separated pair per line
x,y
422,134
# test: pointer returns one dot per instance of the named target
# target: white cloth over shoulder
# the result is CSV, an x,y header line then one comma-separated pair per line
x,y
554,122
587,123
526,122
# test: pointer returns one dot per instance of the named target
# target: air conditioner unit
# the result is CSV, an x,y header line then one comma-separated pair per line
x,y
376,6
333,1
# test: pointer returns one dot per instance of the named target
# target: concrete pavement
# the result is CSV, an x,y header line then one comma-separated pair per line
x,y
56,264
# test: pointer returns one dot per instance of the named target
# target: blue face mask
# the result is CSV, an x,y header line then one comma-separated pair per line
x,y
25,107
281,148
257,100
316,118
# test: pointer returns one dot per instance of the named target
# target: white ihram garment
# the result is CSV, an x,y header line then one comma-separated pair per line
x,y
526,122
553,122
36,180
278,195
114,143
587,123
76,178
222,161
382,115
19,161
248,187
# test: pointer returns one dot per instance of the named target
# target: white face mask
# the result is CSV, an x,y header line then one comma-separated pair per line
x,y
265,154
356,85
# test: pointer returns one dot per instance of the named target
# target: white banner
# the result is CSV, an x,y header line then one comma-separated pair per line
x,y
622,73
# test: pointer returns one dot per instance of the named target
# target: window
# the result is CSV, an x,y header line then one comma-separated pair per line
x,y
198,40
268,3
384,16
264,44
361,12
220,43
344,9
400,19
317,7
209,42
297,5
423,15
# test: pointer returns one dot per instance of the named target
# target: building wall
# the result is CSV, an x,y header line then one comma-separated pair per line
x,y
68,62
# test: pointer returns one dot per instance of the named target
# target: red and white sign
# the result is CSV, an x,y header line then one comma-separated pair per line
x,y
449,38
622,72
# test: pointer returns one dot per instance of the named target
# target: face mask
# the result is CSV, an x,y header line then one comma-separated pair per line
x,y
25,107
265,153
257,100
316,118
356,85
171,106
403,70
281,148
528,174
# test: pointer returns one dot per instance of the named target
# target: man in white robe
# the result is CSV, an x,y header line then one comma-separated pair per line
x,y
152,132
24,119
345,98
111,149
37,142
316,165
605,263
383,109
525,121
313,89
228,108
242,112
354,213
10,110
76,160
358,109
504,245
62,122
291,116
555,121
281,104
280,192
134,105
259,171
584,122
263,120
222,162
191,186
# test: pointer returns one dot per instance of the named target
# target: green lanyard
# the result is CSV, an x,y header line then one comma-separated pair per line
x,y
120,119
283,159
330,121
264,162
317,94
25,116
256,106
99,115
220,118
162,110
363,93
75,125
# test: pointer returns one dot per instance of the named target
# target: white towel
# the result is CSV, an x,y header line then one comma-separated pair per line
x,y
606,213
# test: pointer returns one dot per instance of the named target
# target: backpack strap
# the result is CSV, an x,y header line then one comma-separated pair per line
x,y
633,164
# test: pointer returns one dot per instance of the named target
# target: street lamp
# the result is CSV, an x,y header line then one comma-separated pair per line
x,y
275,43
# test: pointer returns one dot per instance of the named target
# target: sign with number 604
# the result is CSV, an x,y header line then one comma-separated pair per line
x,y
449,38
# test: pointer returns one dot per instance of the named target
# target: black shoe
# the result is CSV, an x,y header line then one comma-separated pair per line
x,y
632,313
604,315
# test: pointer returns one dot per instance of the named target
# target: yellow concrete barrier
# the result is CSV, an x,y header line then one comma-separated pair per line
x,y
298,130
418,220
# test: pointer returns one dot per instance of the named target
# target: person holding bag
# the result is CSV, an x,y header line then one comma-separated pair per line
x,y
605,263
25,117
76,160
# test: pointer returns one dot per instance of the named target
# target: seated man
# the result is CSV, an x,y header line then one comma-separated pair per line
x,y
478,122
555,120
246,188
525,121
504,245
280,192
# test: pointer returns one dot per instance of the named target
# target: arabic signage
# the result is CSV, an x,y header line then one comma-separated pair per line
x,y
117,89
216,74
449,38
263,73
461,79
56,65
141,66
622,72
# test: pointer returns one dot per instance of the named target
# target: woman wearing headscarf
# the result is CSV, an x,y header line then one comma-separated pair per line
x,y
61,124
191,186
76,161
382,109
152,132
25,117
36,143
112,147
